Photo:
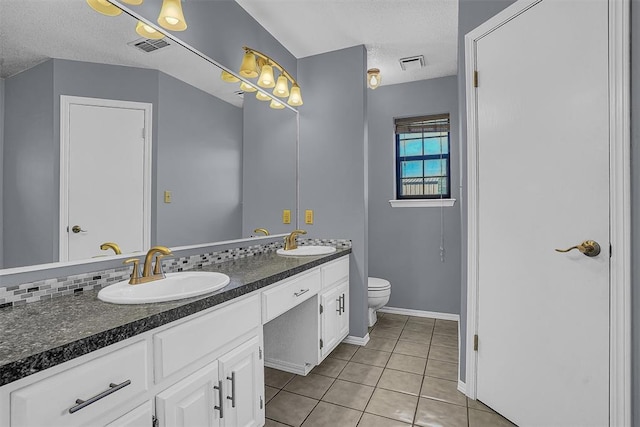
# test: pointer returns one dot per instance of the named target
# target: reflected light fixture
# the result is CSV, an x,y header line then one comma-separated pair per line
x,y
148,32
171,16
104,7
262,97
373,78
133,2
228,77
254,61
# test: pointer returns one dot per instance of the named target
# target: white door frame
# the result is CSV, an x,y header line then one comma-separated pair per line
x,y
619,205
65,105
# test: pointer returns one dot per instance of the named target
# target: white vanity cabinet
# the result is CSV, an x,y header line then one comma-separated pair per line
x,y
138,417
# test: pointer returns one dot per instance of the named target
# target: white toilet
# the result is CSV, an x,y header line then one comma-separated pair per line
x,y
379,293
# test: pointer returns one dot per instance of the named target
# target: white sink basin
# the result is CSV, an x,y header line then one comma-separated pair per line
x,y
307,251
174,286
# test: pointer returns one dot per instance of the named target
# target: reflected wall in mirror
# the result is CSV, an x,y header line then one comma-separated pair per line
x,y
228,164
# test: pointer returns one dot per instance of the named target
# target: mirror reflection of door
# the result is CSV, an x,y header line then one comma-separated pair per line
x,y
105,176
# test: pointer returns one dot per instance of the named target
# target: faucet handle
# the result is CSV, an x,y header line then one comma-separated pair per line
x,y
135,274
157,268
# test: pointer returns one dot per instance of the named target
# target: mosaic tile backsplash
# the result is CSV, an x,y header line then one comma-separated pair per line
x,y
24,293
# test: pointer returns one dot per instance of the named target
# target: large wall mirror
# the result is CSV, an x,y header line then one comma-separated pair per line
x,y
220,165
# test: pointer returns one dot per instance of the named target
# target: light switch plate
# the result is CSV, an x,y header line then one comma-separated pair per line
x,y
308,216
286,216
167,196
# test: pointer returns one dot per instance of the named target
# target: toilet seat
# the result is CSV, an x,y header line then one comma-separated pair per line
x,y
376,284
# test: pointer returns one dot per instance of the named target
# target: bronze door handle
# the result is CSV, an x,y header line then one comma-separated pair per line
x,y
588,248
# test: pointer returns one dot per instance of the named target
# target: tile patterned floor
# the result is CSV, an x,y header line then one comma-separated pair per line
x,y
405,376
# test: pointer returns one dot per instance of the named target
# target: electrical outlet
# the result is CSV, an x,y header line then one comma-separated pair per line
x,y
308,216
286,216
167,196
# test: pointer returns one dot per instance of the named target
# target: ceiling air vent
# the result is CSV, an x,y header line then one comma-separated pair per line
x,y
149,45
412,63
240,93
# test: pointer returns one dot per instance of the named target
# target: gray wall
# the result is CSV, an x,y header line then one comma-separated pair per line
x,y
1,163
635,207
30,190
199,161
471,13
333,160
219,29
269,166
404,243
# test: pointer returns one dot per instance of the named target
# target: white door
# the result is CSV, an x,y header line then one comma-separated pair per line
x,y
543,168
242,371
194,401
329,323
104,189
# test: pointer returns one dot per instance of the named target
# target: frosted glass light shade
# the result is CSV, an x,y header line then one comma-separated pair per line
x,y
295,98
228,77
267,80
133,2
247,88
373,78
148,32
104,7
276,105
262,97
171,16
282,87
248,68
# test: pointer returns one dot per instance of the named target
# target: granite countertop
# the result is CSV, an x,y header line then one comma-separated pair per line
x,y
43,334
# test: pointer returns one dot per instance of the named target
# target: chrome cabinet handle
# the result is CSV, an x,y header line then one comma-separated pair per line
x,y
339,308
220,398
84,403
302,291
232,398
588,248
342,302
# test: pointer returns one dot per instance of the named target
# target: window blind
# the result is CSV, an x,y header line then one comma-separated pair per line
x,y
423,124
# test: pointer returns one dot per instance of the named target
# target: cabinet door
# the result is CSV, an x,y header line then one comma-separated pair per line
x,y
192,401
142,416
242,372
330,308
343,316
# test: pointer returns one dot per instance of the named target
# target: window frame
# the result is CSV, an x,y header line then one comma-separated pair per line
x,y
399,159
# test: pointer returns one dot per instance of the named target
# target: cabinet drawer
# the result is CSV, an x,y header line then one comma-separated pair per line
x,y
48,402
335,272
178,347
289,294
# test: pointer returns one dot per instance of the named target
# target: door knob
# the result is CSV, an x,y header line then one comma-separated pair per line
x,y
588,248
77,229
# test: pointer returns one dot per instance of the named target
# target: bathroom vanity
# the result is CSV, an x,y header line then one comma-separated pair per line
x,y
183,363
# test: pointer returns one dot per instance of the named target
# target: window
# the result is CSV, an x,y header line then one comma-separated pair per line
x,y
422,158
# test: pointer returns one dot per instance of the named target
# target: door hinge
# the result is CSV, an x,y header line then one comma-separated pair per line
x,y
321,344
260,353
610,250
154,421
475,78
321,308
261,403
475,342
142,133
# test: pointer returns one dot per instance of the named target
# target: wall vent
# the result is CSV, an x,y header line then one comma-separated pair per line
x,y
412,63
149,45
240,93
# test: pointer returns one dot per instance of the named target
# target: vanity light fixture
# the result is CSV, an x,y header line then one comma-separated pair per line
x,y
262,97
104,7
171,16
148,32
373,78
228,77
254,61
133,2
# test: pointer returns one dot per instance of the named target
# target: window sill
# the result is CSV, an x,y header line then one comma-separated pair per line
x,y
422,203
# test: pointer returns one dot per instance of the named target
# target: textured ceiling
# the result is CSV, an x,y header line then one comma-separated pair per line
x,y
389,29
32,31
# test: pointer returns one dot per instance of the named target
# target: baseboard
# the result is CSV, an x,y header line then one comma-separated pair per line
x,y
420,313
288,367
462,387
357,340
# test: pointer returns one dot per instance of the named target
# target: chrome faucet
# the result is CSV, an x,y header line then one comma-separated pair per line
x,y
290,241
147,276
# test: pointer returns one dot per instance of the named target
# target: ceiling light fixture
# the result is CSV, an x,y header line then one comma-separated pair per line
x,y
373,78
252,61
171,16
104,7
